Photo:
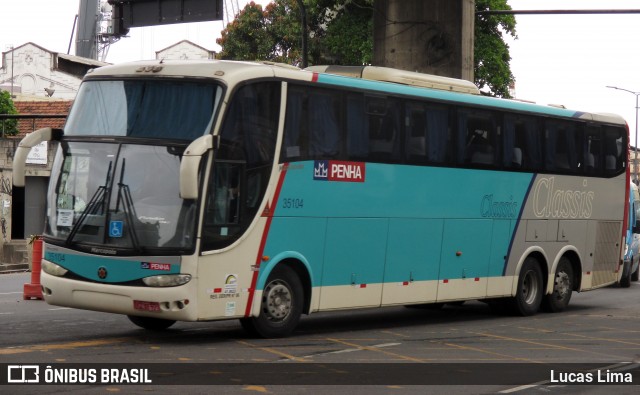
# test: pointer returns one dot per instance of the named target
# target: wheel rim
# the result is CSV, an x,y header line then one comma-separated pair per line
x,y
530,287
563,285
277,301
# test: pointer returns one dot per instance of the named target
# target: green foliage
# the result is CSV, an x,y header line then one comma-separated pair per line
x,y
338,33
341,32
492,70
348,36
9,126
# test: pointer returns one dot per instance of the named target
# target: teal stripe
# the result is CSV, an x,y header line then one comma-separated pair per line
x,y
118,270
456,98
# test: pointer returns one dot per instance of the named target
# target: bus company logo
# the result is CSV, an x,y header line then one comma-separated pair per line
x,y
335,170
155,266
494,208
102,272
550,201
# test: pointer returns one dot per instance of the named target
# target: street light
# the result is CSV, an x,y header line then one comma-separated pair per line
x,y
635,162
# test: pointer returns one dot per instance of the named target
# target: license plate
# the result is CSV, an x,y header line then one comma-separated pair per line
x,y
146,306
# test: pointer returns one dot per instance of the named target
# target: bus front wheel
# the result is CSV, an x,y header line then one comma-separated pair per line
x,y
563,283
151,323
529,293
280,307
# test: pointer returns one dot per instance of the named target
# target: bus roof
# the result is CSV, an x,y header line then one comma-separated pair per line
x,y
381,79
404,77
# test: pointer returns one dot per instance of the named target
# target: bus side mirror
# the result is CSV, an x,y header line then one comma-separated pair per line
x,y
25,145
190,165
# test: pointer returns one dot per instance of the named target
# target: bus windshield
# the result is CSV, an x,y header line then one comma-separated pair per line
x,y
166,109
123,197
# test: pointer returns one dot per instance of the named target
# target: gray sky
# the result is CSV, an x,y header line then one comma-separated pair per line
x,y
559,59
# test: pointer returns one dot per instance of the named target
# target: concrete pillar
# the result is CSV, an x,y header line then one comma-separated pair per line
x,y
427,36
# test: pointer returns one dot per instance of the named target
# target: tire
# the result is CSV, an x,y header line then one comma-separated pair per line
x,y
280,307
529,293
563,284
625,281
150,323
425,306
634,276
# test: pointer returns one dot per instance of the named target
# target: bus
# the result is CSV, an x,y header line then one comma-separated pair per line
x,y
631,261
210,190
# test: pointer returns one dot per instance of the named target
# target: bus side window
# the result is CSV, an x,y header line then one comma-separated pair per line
x,y
357,133
295,142
384,128
325,137
427,133
522,143
416,127
477,138
562,147
614,152
593,150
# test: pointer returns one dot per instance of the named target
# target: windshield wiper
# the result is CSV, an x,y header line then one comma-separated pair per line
x,y
97,203
124,196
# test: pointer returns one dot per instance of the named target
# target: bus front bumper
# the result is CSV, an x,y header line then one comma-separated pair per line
x,y
171,303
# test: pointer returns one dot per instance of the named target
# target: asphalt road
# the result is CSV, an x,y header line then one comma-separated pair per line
x,y
458,349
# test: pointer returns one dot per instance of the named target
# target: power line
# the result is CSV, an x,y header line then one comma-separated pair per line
x,y
557,12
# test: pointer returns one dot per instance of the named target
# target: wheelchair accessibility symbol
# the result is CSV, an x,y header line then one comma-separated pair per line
x,y
115,229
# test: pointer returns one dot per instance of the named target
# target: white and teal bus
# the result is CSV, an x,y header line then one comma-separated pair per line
x,y
198,191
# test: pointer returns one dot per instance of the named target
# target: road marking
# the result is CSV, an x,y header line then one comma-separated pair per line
x,y
604,339
508,357
348,350
377,349
63,346
547,345
9,293
60,308
272,351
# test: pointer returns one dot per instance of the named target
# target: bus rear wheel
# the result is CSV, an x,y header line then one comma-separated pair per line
x,y
280,307
529,293
151,323
563,283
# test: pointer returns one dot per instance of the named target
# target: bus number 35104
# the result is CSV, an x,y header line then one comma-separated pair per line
x,y
292,203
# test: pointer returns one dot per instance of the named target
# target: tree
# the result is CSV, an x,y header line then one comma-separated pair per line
x,y
492,71
341,32
9,127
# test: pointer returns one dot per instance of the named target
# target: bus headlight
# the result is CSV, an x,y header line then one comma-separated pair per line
x,y
53,269
167,280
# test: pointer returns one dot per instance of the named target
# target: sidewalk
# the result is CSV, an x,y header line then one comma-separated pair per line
x,y
15,256
13,267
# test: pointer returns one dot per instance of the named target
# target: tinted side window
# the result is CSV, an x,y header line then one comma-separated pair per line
x,y
242,165
477,139
427,133
522,143
563,152
614,150
313,125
